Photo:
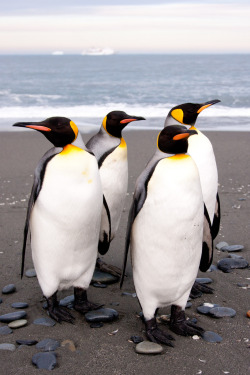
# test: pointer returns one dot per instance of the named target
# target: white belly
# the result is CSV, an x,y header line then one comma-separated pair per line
x,y
201,151
114,177
65,222
166,238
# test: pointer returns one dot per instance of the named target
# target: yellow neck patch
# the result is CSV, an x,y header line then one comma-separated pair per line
x,y
123,143
178,115
193,128
179,157
74,128
69,149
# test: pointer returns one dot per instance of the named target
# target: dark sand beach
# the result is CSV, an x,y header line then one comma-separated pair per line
x,y
97,352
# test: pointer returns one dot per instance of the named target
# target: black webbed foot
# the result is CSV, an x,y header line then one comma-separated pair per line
x,y
81,303
154,334
104,267
181,326
58,313
199,288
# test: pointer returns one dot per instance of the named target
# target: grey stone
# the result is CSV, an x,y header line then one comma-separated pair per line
x,y
44,322
99,285
10,317
212,268
188,305
5,330
26,342
232,248
10,288
228,264
210,336
147,347
48,345
136,339
221,244
103,278
101,315
127,294
205,308
19,305
18,323
6,346
204,280
44,360
30,273
67,300
220,312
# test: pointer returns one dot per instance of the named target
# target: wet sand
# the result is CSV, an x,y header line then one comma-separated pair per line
x,y
97,351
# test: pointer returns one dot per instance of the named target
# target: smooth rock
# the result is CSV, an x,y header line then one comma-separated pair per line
x,y
129,294
44,360
242,199
10,288
148,347
6,346
204,280
30,273
99,285
48,345
205,308
220,312
243,285
212,268
136,339
5,330
221,244
96,325
18,323
103,277
210,336
26,342
10,317
188,305
101,315
232,248
228,264
67,300
69,344
19,305
44,322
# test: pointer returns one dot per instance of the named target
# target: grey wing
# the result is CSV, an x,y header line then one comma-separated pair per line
x,y
216,221
36,188
207,246
139,198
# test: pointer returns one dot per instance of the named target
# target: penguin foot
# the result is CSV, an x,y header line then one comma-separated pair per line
x,y
58,313
104,267
181,326
198,289
154,334
81,303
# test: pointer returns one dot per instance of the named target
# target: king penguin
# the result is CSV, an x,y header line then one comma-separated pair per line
x,y
64,215
165,233
110,149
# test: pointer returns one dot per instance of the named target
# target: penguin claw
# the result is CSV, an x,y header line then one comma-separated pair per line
x,y
60,314
181,326
104,267
156,335
198,289
87,306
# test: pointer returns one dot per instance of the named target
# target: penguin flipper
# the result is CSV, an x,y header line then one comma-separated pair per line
x,y
217,215
207,246
37,185
103,245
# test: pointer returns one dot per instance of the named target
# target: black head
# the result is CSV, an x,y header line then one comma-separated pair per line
x,y
60,131
115,121
187,113
173,139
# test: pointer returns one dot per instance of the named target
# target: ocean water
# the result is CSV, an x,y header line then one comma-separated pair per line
x,y
86,88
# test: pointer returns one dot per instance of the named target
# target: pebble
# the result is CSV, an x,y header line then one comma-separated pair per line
x,y
26,342
204,280
212,268
220,312
101,315
6,346
147,347
31,272
221,244
44,322
103,278
114,303
10,288
67,300
205,308
243,285
18,323
210,336
189,304
99,285
232,248
69,344
129,294
10,317
248,314
19,305
96,325
227,264
45,360
5,330
48,345
136,339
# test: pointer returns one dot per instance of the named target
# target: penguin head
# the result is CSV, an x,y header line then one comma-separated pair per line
x,y
60,131
116,121
173,139
187,113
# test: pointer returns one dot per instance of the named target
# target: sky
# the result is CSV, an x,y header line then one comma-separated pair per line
x,y
127,26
